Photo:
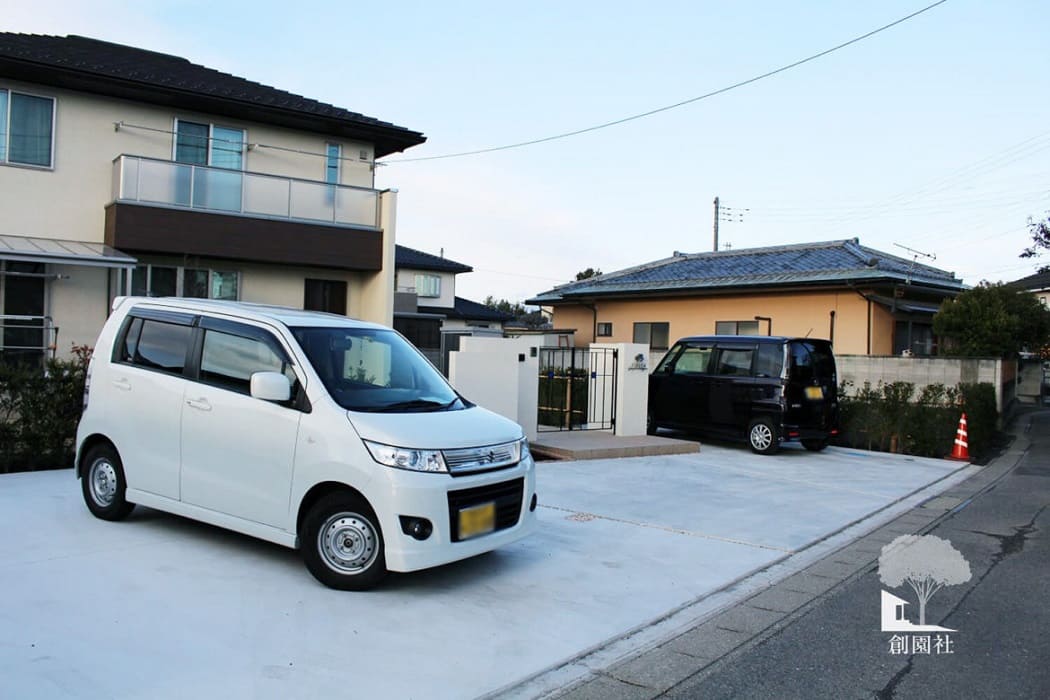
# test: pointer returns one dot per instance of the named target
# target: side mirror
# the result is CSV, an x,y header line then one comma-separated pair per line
x,y
270,386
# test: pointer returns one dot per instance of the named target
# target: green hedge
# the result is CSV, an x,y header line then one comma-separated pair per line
x,y
39,411
889,417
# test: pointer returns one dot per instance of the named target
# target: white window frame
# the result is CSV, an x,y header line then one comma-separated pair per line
x,y
425,293
7,136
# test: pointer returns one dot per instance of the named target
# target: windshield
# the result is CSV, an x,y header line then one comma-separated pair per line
x,y
366,369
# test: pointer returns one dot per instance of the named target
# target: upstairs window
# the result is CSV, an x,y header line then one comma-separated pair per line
x,y
207,144
27,125
428,286
333,156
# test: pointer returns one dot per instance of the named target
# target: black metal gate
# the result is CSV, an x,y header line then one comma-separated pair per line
x,y
577,389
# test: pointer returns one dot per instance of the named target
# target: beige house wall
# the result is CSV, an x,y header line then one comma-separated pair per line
x,y
792,314
68,200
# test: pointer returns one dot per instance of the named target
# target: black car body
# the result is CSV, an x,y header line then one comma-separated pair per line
x,y
765,389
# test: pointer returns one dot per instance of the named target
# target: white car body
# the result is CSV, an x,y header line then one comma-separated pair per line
x,y
211,454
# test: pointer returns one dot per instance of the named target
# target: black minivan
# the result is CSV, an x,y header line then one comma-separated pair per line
x,y
765,389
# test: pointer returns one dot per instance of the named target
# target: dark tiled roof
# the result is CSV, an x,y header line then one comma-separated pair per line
x,y
410,257
1040,280
827,263
467,310
100,67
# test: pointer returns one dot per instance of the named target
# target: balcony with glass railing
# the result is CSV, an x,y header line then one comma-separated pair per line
x,y
163,183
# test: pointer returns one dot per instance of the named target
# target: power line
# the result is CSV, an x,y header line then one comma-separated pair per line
x,y
691,100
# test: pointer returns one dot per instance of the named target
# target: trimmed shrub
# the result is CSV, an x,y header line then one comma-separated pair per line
x,y
39,411
885,418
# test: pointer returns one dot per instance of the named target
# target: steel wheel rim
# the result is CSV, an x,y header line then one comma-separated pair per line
x,y
348,543
761,436
103,480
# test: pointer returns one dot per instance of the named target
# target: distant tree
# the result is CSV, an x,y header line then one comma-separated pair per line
x,y
992,320
587,274
1040,231
927,563
533,318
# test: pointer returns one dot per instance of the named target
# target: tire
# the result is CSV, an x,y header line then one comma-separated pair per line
x,y
762,437
650,426
343,544
103,484
815,445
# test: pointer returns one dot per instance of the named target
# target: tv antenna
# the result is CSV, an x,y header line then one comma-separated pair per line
x,y
915,255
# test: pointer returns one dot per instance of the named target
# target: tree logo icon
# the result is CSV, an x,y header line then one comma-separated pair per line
x,y
927,564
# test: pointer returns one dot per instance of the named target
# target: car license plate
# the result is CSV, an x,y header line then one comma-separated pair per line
x,y
814,392
477,520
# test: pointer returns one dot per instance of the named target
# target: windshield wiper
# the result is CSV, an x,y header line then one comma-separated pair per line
x,y
417,403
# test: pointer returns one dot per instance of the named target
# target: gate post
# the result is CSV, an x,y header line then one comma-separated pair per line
x,y
632,386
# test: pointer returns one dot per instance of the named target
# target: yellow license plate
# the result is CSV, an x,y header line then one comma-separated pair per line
x,y
477,520
814,392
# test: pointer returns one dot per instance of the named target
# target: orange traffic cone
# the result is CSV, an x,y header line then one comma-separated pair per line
x,y
961,450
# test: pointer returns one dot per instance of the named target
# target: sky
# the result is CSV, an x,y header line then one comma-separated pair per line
x,y
933,134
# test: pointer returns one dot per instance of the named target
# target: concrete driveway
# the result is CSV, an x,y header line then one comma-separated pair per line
x,y
162,607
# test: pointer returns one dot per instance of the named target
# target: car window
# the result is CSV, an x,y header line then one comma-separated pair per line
x,y
229,361
734,362
161,345
770,360
693,360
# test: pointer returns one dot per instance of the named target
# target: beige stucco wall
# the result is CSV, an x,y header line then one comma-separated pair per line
x,y
793,314
67,201
78,304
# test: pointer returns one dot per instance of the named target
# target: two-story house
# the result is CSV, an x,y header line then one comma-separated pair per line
x,y
125,171
427,310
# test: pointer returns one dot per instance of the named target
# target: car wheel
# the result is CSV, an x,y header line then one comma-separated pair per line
x,y
815,445
762,436
343,543
103,484
650,426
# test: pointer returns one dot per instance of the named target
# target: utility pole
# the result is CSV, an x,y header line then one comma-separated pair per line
x,y
716,225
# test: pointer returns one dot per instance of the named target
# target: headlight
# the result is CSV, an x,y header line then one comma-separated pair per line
x,y
523,449
404,458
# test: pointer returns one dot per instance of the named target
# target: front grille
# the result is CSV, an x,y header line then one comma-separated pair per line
x,y
471,460
506,495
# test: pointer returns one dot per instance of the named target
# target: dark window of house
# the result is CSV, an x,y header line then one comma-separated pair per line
x,y
424,333
162,346
22,295
325,295
26,123
736,327
163,281
191,143
195,284
656,335
604,330
913,336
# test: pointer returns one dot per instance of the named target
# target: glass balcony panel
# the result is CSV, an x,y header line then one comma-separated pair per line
x,y
164,183
216,189
265,196
313,200
356,207
168,183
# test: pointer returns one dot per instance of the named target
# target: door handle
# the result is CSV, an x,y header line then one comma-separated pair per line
x,y
200,404
123,384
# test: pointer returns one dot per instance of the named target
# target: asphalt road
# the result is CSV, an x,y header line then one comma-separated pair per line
x,y
1002,615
